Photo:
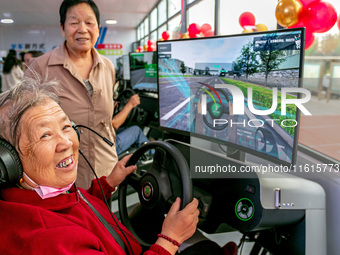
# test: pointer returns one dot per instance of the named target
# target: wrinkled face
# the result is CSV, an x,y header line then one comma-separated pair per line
x,y
49,145
81,28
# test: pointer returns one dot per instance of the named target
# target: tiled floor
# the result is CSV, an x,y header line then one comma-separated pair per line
x,y
321,131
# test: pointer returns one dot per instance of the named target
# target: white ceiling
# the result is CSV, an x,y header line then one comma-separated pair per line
x,y
128,13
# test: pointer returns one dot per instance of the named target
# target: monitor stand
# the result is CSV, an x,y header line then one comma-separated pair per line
x,y
229,152
236,154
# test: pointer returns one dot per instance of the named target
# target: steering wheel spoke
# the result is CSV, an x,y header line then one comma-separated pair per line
x,y
133,180
160,158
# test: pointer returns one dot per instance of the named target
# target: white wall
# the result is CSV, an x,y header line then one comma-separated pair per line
x,y
24,38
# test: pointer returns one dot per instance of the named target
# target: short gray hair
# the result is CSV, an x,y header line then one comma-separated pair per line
x,y
16,101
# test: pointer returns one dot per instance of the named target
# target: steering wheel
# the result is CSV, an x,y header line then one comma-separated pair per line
x,y
122,99
167,178
216,111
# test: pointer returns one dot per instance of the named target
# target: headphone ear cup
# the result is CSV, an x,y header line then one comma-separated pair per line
x,y
10,164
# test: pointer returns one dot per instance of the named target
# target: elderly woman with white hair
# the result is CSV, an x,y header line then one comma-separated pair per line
x,y
41,210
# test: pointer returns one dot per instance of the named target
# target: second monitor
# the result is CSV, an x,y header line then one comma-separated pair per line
x,y
143,71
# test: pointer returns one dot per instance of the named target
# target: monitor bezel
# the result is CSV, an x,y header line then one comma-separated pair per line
x,y
256,153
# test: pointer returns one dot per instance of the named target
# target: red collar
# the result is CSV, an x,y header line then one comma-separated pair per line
x,y
30,197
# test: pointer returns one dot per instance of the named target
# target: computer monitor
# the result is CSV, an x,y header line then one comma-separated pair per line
x,y
143,71
229,90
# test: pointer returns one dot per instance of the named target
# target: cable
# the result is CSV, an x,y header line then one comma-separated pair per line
x,y
107,205
241,244
102,137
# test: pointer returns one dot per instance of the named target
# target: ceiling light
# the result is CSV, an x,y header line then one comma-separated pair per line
x,y
6,21
111,21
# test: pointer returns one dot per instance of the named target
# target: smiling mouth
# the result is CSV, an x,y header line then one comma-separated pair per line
x,y
65,163
82,39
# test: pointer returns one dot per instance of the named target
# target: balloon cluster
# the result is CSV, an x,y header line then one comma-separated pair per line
x,y
150,46
247,22
195,30
316,16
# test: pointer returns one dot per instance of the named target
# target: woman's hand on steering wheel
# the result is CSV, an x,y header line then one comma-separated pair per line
x,y
120,171
181,224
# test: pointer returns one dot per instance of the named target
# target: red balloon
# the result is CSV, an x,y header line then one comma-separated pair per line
x,y
319,16
165,35
205,27
193,30
209,33
307,2
247,19
150,48
150,43
339,22
140,48
309,36
309,39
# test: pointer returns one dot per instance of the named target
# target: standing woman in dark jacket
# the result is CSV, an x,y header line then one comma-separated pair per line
x,y
11,73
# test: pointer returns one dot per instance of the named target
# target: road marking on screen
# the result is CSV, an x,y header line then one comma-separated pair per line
x,y
176,109
173,86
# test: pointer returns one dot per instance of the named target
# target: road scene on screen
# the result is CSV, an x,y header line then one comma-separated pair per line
x,y
188,72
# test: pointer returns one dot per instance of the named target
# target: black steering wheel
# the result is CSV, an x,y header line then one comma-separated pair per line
x,y
167,178
122,99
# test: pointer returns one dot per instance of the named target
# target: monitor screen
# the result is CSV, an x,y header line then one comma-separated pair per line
x,y
143,71
228,89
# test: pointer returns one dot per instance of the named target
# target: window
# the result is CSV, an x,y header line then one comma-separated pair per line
x,y
142,30
143,42
146,26
230,13
153,36
320,131
139,36
161,30
174,6
202,12
162,12
173,26
153,19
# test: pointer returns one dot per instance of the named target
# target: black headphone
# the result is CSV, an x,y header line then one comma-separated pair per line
x,y
10,164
